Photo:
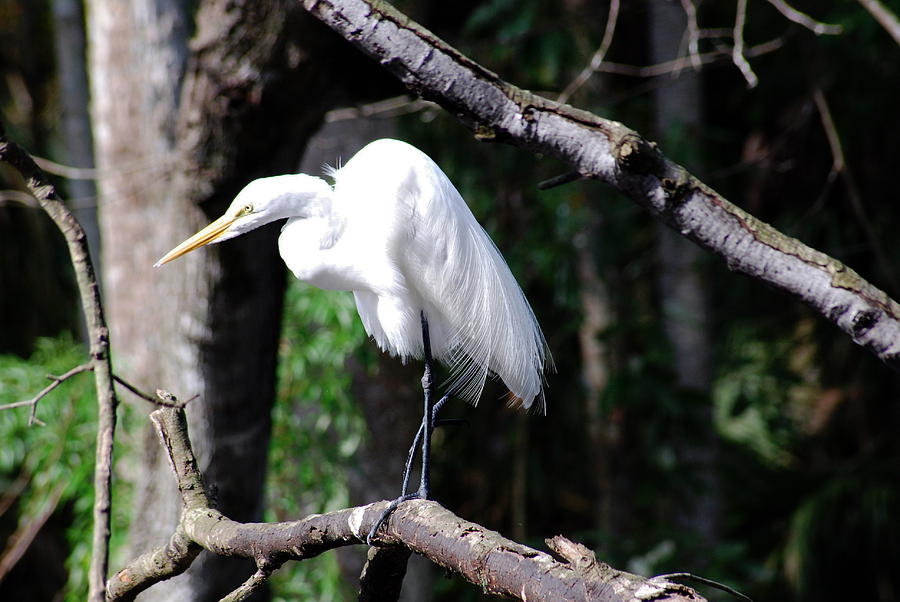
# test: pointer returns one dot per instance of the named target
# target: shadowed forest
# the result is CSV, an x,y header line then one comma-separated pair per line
x,y
698,421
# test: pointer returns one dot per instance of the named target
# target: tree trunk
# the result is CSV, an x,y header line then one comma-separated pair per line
x,y
180,126
68,20
678,115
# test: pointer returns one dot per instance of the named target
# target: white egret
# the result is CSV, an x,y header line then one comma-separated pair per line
x,y
427,279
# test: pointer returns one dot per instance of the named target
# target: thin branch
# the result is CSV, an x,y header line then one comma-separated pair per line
x,y
98,333
67,171
884,16
561,179
55,382
839,166
136,391
248,587
676,65
20,541
597,58
792,14
382,109
17,196
693,33
737,51
714,584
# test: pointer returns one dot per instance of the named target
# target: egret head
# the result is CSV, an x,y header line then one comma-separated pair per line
x,y
260,202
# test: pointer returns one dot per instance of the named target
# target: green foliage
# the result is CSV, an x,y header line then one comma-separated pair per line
x,y
752,394
316,426
50,468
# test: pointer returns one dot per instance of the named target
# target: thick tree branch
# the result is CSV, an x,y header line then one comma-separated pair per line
x,y
98,334
485,558
608,151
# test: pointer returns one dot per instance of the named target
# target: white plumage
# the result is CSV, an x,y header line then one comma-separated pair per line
x,y
395,232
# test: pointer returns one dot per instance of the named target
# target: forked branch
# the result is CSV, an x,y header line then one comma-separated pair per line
x,y
496,564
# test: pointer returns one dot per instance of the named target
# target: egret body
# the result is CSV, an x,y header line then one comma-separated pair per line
x,y
395,232
427,279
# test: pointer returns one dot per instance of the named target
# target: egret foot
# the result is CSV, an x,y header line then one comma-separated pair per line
x,y
416,495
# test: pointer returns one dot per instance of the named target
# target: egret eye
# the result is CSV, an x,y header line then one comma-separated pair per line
x,y
245,210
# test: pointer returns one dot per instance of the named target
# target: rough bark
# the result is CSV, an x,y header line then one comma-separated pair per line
x,y
485,558
609,151
180,125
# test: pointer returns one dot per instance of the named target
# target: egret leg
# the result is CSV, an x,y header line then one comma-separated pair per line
x,y
427,417
418,439
423,435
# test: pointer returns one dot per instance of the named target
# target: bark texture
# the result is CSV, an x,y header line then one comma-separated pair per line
x,y
181,124
609,151
485,558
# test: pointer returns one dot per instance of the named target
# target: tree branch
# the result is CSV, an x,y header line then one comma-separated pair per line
x,y
98,334
55,382
497,565
598,56
884,16
608,151
792,14
737,51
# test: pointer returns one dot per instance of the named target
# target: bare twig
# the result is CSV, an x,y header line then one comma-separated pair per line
x,y
135,390
693,33
597,58
382,109
21,540
17,196
714,584
565,178
89,290
737,50
839,167
680,63
55,382
884,16
248,587
792,14
67,171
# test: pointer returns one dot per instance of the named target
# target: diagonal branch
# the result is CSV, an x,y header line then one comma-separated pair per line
x,y
496,564
884,16
599,55
800,18
98,333
608,151
839,167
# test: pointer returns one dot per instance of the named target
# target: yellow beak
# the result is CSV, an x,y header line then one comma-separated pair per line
x,y
203,237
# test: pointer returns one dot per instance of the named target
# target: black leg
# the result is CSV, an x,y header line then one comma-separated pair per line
x,y
427,417
423,436
418,439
